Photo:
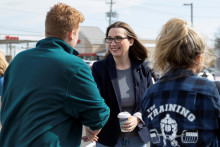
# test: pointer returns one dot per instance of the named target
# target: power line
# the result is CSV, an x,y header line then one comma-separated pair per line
x,y
14,29
17,10
143,8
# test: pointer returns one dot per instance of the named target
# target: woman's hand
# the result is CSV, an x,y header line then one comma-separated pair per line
x,y
130,124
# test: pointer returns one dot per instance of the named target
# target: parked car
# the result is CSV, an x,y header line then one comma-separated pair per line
x,y
89,62
207,74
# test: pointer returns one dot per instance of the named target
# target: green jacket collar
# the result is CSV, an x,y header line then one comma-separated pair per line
x,y
52,42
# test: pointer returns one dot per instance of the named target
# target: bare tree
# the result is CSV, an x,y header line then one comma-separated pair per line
x,y
217,52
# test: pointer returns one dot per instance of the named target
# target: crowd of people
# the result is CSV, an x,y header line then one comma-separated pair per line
x,y
49,92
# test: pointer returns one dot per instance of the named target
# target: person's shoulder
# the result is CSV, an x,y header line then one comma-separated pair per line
x,y
69,62
22,55
101,63
202,80
203,85
145,65
75,60
217,83
25,52
137,62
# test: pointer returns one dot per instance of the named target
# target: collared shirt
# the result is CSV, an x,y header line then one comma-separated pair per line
x,y
182,109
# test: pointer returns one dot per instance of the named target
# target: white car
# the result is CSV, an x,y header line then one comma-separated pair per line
x,y
89,62
207,74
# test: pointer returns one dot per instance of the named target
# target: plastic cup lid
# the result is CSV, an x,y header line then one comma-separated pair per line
x,y
124,115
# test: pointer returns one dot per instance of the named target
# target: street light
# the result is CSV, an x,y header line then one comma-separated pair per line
x,y
191,4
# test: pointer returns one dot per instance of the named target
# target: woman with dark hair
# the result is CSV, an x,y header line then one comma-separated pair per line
x,y
122,77
181,109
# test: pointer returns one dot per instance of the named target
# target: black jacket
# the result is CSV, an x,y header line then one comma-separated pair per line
x,y
105,75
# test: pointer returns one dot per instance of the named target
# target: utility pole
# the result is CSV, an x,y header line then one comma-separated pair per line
x,y
191,5
110,14
110,17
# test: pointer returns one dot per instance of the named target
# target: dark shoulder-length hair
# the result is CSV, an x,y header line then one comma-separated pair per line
x,y
137,50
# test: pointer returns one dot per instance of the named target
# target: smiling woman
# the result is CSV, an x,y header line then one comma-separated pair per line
x,y
122,78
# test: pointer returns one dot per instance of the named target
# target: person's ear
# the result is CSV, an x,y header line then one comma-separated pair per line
x,y
199,64
131,41
71,35
199,59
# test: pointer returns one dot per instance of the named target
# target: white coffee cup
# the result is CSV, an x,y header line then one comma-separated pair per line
x,y
123,116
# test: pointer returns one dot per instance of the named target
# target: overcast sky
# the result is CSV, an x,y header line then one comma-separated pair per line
x,y
146,17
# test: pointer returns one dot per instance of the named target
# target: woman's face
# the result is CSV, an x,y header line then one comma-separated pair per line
x,y
119,48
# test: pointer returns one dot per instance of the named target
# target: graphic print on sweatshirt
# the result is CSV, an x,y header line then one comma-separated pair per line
x,y
168,126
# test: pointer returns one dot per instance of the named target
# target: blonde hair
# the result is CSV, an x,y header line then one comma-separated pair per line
x,y
62,19
137,50
3,63
178,45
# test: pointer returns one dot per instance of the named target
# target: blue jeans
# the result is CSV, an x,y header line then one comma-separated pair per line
x,y
126,142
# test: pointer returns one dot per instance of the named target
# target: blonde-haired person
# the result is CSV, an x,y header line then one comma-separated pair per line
x,y
122,77
181,109
3,66
49,92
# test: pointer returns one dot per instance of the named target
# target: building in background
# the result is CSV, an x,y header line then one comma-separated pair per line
x,y
10,45
91,45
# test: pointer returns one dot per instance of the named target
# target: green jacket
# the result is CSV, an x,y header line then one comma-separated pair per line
x,y
48,94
